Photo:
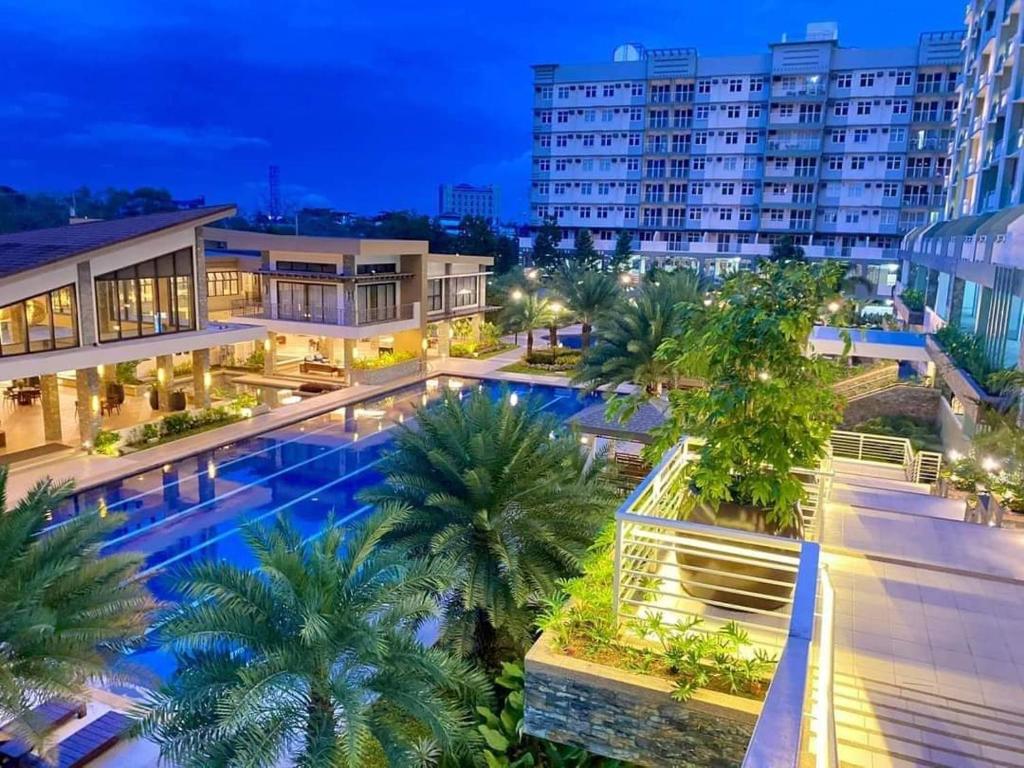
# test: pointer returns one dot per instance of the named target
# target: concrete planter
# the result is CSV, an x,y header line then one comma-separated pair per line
x,y
385,375
633,717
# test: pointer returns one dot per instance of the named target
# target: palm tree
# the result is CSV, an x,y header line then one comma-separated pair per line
x,y
588,296
67,615
529,312
629,337
499,491
312,657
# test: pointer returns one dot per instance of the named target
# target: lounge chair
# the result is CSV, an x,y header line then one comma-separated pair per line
x,y
43,718
86,744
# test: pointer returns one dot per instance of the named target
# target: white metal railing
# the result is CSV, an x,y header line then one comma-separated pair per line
x,y
768,584
868,448
826,746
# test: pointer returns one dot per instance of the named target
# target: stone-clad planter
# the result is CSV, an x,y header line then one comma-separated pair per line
x,y
384,375
632,717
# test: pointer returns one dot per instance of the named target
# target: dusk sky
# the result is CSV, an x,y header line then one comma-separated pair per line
x,y
364,105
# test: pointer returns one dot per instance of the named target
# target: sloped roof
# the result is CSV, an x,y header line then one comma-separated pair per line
x,y
22,251
637,428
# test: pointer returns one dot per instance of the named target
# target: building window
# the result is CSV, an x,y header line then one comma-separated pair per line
x,y
435,295
756,84
608,91
465,291
223,283
39,323
146,299
590,91
636,89
841,109
735,85
844,80
867,79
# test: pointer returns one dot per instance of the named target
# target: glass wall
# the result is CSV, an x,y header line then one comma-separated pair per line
x,y
147,299
39,323
377,302
465,291
435,295
307,301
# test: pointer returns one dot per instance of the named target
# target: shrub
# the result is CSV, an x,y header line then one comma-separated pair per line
x,y
149,432
913,299
462,328
923,435
384,360
581,623
967,351
183,369
243,400
254,362
176,423
127,372
106,443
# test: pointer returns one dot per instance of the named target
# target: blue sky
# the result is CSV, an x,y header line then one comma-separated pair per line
x,y
364,106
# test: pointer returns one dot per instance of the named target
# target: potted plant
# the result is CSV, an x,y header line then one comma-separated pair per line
x,y
913,300
154,398
177,401
765,414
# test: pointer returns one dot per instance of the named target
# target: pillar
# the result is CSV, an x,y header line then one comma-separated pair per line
x,y
201,378
347,356
444,338
269,354
90,420
164,380
50,392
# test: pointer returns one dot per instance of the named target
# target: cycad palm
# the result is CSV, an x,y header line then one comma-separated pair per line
x,y
588,296
630,335
312,657
67,615
531,311
499,491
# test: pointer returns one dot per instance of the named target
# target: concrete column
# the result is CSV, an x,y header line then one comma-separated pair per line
x,y
164,380
50,391
90,420
444,338
201,378
86,305
269,354
347,356
202,302
327,349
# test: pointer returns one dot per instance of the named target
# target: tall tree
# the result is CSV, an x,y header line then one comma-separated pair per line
x,y
785,250
529,312
767,407
476,237
584,255
623,251
67,615
498,490
546,243
312,657
588,296
629,337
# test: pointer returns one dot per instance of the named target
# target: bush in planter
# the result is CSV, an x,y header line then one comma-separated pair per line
x,y
967,352
384,360
127,372
176,424
768,408
106,442
913,300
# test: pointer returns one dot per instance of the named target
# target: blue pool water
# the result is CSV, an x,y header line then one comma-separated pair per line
x,y
870,335
192,510
571,340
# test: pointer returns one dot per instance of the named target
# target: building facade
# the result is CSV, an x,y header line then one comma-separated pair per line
x,y
710,160
454,201
108,325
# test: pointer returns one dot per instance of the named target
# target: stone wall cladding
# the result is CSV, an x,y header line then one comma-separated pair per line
x,y
920,403
384,375
632,717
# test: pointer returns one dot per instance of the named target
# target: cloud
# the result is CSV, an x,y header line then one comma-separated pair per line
x,y
33,105
169,136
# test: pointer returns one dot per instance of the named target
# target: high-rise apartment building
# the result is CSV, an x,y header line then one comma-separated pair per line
x,y
970,266
458,200
710,160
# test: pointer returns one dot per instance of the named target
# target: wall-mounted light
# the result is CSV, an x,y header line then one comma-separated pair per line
x,y
207,379
161,375
95,402
266,345
100,369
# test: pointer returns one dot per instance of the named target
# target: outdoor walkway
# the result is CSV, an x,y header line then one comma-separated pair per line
x,y
929,665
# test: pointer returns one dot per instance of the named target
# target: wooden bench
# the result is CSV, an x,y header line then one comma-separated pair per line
x,y
311,366
86,744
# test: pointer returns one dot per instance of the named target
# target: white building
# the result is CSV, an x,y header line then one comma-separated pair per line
x,y
709,160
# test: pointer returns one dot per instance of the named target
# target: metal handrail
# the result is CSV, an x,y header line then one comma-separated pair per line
x,y
869,382
346,316
827,744
868,448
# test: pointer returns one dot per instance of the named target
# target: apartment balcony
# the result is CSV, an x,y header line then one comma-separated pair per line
x,y
791,147
817,92
923,201
389,318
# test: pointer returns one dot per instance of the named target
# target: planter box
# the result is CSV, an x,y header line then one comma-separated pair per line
x,y
632,717
385,375
963,385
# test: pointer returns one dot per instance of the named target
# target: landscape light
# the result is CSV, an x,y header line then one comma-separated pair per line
x,y
764,375
707,302
532,274
625,279
954,455
833,306
556,307
513,399
517,295
989,464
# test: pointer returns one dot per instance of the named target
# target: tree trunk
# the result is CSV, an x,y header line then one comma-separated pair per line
x,y
320,722
529,342
585,337
553,339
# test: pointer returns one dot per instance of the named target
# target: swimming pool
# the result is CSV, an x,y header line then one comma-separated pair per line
x,y
192,509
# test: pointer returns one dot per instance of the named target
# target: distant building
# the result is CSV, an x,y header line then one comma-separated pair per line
x,y
708,161
458,200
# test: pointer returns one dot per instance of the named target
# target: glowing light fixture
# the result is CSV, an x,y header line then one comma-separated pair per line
x,y
764,376
833,306
517,295
513,399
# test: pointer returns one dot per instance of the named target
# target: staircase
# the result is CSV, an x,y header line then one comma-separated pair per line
x,y
882,724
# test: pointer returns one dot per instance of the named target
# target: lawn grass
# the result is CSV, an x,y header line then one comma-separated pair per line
x,y
521,367
485,355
